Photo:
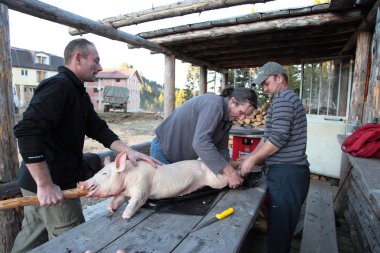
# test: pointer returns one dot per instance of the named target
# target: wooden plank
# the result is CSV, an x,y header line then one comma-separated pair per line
x,y
228,234
319,234
360,244
94,234
366,170
369,223
164,230
92,212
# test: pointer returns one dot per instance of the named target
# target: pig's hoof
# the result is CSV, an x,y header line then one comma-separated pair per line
x,y
110,209
125,216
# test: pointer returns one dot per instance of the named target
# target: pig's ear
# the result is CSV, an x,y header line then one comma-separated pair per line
x,y
107,160
120,161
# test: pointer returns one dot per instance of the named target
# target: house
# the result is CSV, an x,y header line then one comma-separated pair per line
x,y
129,78
29,68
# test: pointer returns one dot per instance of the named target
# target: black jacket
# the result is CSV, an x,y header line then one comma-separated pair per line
x,y
53,129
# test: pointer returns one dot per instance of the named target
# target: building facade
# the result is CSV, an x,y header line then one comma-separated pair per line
x,y
29,68
129,78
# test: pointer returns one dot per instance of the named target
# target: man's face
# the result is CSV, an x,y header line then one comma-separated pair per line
x,y
271,85
90,66
238,111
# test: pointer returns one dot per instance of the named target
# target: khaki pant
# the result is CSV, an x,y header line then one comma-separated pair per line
x,y
41,224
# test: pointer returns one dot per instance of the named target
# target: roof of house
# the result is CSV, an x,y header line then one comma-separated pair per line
x,y
24,58
118,74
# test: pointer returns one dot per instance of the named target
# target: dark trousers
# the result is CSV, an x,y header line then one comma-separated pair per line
x,y
287,189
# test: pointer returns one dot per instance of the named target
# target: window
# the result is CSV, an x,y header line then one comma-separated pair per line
x,y
41,75
24,72
325,87
41,59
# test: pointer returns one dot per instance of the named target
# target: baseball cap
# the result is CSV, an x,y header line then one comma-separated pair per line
x,y
268,69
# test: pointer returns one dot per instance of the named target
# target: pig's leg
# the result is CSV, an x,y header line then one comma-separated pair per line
x,y
116,202
138,199
216,181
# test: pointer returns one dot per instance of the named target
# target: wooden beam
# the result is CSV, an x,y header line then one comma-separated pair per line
x,y
360,74
60,16
372,104
249,18
224,81
313,20
168,11
366,25
169,85
268,45
341,4
288,36
286,50
203,80
9,221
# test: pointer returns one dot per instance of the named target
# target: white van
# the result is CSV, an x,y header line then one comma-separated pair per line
x,y
16,100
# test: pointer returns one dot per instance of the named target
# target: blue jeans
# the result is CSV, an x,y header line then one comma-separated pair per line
x,y
287,187
155,152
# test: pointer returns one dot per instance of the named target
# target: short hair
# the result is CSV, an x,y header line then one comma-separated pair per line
x,y
80,45
241,95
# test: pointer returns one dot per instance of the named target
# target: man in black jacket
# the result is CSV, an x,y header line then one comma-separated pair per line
x,y
51,138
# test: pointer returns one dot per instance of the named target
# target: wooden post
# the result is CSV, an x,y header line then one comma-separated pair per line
x,y
203,80
169,85
224,80
360,73
372,104
9,221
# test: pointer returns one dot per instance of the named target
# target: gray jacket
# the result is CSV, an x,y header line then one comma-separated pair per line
x,y
197,129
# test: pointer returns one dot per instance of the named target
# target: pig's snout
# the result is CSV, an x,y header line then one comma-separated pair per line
x,y
89,186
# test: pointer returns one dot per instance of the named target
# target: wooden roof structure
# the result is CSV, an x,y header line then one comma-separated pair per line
x,y
285,36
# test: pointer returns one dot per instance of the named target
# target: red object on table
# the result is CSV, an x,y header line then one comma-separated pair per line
x,y
242,145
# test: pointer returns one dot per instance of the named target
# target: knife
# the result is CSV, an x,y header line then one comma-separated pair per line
x,y
217,217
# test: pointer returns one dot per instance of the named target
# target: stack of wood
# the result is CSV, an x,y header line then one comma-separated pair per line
x,y
257,118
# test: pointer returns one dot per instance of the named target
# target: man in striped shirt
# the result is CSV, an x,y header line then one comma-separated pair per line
x,y
283,150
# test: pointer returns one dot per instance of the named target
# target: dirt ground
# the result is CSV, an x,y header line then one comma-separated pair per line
x,y
132,128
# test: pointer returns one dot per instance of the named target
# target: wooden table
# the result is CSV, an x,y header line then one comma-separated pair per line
x,y
150,231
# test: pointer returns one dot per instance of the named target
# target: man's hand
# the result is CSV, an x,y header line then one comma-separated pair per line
x,y
49,195
234,180
246,166
135,156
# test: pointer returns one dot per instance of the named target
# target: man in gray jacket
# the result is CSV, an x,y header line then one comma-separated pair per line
x,y
200,127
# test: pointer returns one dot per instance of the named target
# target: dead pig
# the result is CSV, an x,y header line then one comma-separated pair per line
x,y
136,184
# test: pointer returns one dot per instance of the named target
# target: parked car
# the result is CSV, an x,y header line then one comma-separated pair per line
x,y
16,100
115,97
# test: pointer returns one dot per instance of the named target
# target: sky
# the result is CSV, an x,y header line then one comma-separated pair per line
x,y
36,34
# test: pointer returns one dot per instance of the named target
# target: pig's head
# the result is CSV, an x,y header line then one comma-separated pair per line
x,y
109,181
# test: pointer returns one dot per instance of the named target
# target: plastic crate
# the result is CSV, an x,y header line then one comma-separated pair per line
x,y
242,145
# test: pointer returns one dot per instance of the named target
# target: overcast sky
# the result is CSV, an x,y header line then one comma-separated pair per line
x,y
36,34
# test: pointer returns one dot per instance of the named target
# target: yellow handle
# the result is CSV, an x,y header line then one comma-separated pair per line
x,y
225,213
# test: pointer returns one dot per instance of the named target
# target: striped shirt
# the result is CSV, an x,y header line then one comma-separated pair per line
x,y
286,128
